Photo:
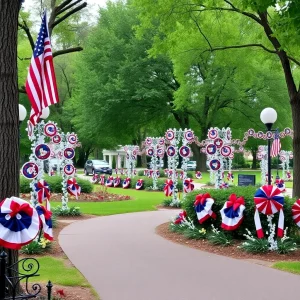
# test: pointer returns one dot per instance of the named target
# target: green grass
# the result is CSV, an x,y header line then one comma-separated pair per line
x,y
288,266
56,270
142,201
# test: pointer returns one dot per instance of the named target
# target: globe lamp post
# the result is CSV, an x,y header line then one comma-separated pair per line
x,y
269,116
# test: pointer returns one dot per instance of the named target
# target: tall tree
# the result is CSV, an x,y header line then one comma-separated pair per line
x,y
276,34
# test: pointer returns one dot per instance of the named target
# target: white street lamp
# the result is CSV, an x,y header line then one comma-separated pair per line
x,y
269,116
22,113
45,113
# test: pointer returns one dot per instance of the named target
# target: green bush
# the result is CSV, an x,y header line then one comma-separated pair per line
x,y
36,247
72,211
221,196
255,246
55,184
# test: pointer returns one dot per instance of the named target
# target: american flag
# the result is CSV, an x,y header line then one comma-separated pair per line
x,y
41,82
276,145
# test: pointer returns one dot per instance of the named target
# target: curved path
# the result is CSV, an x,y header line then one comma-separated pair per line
x,y
123,258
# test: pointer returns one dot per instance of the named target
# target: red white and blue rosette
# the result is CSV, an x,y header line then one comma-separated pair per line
x,y
72,138
268,200
198,175
232,212
69,169
126,183
171,151
109,181
296,212
218,142
139,184
224,185
211,149
203,204
212,134
45,216
180,218
73,187
184,151
42,190
150,151
251,132
56,139
181,175
69,153
169,187
160,152
102,180
189,136
188,185
148,141
19,223
50,129
226,151
170,135
215,164
30,170
42,151
117,181
161,141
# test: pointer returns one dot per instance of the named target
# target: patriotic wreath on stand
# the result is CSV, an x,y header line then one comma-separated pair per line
x,y
198,175
117,181
109,181
188,185
280,184
169,187
73,187
126,183
139,184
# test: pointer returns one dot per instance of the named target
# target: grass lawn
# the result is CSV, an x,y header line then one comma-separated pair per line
x,y
289,266
58,271
142,201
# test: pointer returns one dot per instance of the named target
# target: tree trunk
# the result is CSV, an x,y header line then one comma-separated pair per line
x,y
9,111
254,161
295,104
199,157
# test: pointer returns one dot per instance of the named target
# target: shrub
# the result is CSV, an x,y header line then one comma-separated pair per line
x,y
194,234
36,247
255,245
221,196
72,211
190,174
286,245
217,237
24,185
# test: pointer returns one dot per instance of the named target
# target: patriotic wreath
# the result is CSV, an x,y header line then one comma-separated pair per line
x,y
203,205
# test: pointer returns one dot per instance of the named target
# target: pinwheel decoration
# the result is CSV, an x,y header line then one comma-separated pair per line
x,y
203,205
45,215
198,175
109,181
188,185
296,212
180,218
95,178
169,187
19,223
268,200
117,181
42,190
233,212
126,183
73,187
280,184
102,179
139,184
230,176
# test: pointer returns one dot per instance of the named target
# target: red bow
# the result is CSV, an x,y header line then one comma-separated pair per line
x,y
47,213
201,198
235,202
16,208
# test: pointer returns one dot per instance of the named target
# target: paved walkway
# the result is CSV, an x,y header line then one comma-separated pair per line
x,y
123,259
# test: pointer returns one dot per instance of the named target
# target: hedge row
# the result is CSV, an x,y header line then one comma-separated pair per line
x,y
55,184
222,195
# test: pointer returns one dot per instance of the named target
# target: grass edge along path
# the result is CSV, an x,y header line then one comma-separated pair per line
x,y
141,201
288,266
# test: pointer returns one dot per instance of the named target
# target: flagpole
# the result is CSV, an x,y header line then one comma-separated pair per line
x,y
277,174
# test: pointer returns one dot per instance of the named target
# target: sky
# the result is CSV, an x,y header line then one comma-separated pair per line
x,y
93,6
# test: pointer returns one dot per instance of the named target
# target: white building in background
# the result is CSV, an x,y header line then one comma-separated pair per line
x,y
119,154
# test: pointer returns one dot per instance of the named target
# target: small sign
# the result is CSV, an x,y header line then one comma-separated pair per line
x,y
245,180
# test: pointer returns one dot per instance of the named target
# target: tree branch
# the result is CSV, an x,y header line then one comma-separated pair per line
x,y
69,50
63,5
68,14
27,31
58,12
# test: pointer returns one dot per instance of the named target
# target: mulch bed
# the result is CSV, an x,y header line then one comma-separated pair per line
x,y
84,197
231,251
